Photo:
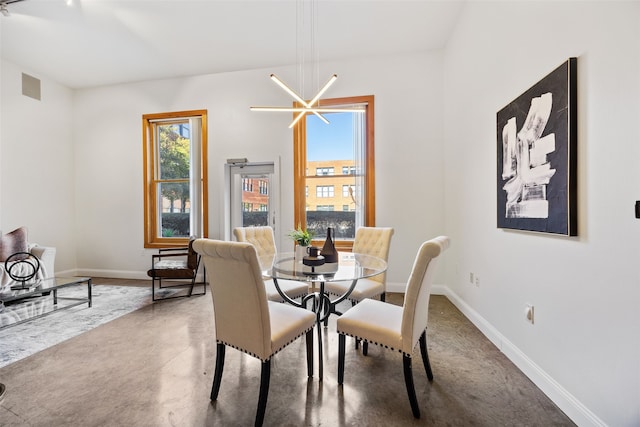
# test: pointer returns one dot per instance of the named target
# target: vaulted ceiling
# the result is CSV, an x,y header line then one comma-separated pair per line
x,y
87,43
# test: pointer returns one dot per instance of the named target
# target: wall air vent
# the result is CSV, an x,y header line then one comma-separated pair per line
x,y
30,86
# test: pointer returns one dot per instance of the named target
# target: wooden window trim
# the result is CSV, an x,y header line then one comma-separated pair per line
x,y
148,166
300,159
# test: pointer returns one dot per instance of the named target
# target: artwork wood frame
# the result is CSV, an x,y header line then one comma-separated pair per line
x,y
537,156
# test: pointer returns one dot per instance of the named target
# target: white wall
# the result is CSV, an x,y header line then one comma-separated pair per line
x,y
584,349
79,157
108,139
37,163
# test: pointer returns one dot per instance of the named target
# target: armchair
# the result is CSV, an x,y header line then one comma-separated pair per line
x,y
178,266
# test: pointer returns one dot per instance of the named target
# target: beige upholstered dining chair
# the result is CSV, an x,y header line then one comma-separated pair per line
x,y
262,238
374,241
244,318
394,327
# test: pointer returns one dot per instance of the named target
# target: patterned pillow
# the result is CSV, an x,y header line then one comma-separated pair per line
x,y
13,242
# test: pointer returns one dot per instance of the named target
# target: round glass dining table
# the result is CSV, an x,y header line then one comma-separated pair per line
x,y
350,268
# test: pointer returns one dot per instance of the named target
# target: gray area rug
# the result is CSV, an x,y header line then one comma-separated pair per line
x,y
109,303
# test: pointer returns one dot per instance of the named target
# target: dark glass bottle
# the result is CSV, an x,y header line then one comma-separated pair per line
x,y
329,251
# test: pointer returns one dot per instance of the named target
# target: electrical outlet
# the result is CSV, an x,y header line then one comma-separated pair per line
x,y
477,281
529,313
471,278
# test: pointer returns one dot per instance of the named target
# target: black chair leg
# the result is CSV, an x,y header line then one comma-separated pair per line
x,y
341,344
217,376
365,348
309,338
408,380
357,345
194,282
265,376
383,297
425,355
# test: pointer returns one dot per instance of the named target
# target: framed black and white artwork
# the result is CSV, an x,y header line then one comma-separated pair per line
x,y
536,151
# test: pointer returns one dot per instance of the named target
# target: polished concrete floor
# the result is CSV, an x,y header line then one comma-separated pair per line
x,y
154,367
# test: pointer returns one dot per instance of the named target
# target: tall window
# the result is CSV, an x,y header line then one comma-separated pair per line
x,y
175,177
344,146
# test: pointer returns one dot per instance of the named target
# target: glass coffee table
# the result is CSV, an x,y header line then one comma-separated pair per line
x,y
22,303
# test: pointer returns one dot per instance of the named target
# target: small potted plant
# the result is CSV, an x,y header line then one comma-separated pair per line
x,y
302,238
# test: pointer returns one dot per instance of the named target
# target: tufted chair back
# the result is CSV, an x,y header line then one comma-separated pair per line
x,y
416,299
264,242
374,241
260,237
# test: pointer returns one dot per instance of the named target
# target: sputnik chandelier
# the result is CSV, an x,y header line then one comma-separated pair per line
x,y
3,6
312,106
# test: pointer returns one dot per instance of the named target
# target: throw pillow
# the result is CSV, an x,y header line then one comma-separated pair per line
x,y
13,242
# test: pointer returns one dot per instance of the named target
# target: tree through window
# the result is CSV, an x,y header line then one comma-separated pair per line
x,y
175,177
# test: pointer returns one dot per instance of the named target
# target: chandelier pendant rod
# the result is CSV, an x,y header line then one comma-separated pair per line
x,y
313,106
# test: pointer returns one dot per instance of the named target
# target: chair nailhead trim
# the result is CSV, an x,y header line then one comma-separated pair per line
x,y
255,355
376,343
301,294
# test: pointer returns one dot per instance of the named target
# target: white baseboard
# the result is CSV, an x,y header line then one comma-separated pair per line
x,y
571,406
396,287
401,287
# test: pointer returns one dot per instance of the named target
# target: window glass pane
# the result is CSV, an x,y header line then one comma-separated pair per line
x,y
174,209
339,155
174,151
331,161
255,201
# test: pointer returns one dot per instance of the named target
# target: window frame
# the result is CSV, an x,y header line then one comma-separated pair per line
x,y
300,161
150,167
